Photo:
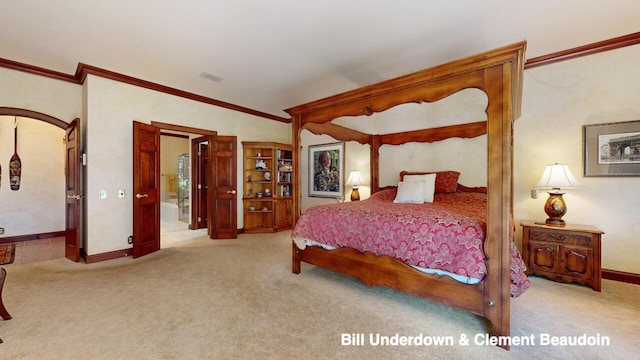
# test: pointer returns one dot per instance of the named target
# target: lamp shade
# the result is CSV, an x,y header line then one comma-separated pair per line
x,y
355,179
557,176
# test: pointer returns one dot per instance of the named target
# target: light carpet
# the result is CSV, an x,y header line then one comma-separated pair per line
x,y
237,299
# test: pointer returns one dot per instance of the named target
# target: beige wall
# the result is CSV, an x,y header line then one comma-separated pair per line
x,y
56,98
111,108
558,100
38,206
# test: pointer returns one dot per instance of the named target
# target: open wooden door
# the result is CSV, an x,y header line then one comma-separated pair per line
x,y
223,222
73,191
146,187
200,185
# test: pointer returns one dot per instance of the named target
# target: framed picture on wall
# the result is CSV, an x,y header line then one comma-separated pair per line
x,y
326,170
612,149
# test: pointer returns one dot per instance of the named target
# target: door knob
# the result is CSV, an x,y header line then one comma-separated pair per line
x,y
142,195
232,192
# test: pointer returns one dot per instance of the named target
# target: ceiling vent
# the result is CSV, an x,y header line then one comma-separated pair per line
x,y
211,77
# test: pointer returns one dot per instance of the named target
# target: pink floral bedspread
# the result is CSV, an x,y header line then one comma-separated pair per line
x,y
447,234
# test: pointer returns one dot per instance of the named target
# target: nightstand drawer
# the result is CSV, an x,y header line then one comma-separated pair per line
x,y
572,238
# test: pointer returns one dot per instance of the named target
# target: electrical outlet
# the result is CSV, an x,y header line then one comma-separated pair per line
x,y
103,194
121,194
534,193
1,230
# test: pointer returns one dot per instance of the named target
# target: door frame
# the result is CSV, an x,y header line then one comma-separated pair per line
x,y
208,135
212,136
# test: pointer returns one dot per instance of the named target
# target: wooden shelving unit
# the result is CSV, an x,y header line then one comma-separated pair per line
x,y
268,186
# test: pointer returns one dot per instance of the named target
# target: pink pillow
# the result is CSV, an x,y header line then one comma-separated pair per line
x,y
446,181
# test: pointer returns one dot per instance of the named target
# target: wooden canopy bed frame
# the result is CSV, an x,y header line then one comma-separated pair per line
x,y
499,74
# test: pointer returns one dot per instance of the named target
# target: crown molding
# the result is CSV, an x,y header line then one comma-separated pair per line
x,y
590,49
83,70
14,65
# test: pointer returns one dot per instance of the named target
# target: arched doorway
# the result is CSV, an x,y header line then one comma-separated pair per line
x,y
42,184
9,111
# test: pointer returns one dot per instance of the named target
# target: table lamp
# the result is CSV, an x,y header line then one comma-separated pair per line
x,y
355,180
556,177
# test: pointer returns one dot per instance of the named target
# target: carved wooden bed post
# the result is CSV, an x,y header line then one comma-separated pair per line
x,y
374,166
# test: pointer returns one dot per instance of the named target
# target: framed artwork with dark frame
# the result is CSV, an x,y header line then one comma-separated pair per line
x,y
326,170
612,149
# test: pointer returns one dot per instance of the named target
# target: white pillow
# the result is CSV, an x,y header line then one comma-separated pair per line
x,y
410,193
429,182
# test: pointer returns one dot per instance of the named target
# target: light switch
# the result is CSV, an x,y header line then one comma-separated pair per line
x,y
121,194
103,194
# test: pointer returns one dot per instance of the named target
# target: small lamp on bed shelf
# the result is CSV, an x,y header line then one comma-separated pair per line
x,y
555,177
355,180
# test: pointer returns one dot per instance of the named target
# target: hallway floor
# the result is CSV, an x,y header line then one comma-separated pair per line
x,y
53,248
38,250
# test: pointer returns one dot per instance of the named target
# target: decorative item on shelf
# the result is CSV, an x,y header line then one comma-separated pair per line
x,y
252,208
259,194
267,176
283,166
555,177
267,192
355,180
264,208
259,154
249,178
261,165
250,193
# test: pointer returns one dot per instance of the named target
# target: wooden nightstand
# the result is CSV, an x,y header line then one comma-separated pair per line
x,y
565,254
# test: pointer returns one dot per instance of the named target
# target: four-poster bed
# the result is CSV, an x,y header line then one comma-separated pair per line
x,y
498,73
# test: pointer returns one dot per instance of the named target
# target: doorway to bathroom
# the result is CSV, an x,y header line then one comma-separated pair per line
x,y
175,179
184,167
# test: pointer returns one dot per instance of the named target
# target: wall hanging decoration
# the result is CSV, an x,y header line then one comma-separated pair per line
x,y
612,149
326,170
15,164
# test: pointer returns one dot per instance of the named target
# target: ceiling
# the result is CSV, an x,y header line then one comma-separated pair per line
x,y
276,54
